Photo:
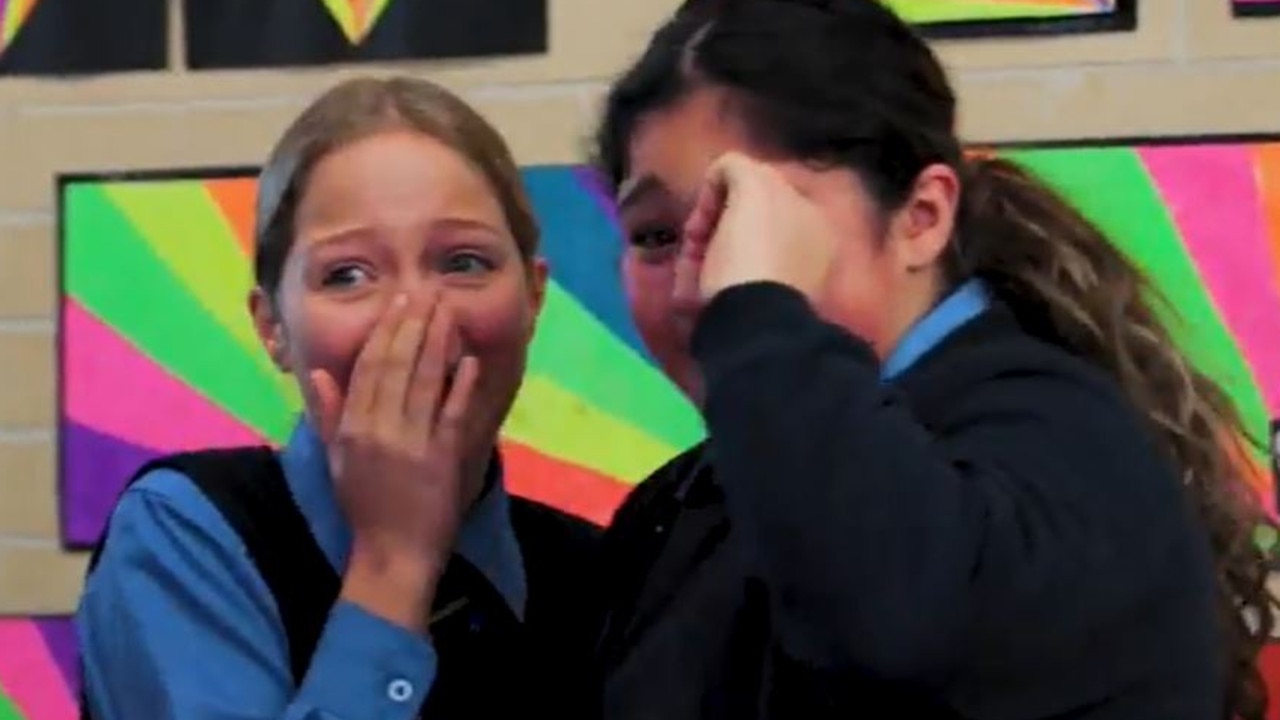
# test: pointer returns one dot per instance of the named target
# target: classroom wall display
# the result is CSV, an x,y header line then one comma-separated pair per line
x,y
39,669
1255,8
158,352
156,268
265,33
155,272
1202,217
986,18
74,37
1275,452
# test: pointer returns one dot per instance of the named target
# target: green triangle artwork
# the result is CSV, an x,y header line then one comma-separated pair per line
x,y
78,37
278,33
988,18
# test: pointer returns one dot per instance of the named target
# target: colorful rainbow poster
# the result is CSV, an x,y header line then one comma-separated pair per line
x,y
1202,218
13,15
39,669
276,33
158,353
1255,8
156,269
985,18
66,37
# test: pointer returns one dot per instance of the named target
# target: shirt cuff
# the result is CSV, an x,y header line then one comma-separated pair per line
x,y
366,667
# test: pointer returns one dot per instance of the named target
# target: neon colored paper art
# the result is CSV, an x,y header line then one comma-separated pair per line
x,y
1255,8
356,17
158,353
981,18
13,13
39,669
72,37
1202,218
275,33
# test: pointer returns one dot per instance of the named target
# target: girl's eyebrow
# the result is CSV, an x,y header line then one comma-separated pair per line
x,y
339,236
364,232
465,223
633,190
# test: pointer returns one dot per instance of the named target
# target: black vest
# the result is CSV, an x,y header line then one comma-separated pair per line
x,y
490,663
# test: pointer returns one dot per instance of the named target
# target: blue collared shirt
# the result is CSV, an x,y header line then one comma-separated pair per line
x,y
962,305
175,621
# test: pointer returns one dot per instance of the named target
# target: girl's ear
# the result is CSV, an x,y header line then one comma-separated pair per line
x,y
266,320
921,230
537,278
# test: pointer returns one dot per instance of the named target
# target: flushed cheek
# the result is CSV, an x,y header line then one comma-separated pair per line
x,y
649,294
332,341
663,328
497,335
498,339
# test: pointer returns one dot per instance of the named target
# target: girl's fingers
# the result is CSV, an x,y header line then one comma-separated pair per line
x,y
328,404
420,403
702,221
698,232
452,417
363,385
397,370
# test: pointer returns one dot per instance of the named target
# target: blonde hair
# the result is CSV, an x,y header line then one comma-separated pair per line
x,y
358,108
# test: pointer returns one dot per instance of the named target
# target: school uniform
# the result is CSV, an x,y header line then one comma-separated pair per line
x,y
980,527
214,594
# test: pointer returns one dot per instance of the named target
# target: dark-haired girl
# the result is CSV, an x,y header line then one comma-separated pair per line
x,y
955,467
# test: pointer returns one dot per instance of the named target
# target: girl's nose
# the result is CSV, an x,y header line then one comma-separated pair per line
x,y
421,289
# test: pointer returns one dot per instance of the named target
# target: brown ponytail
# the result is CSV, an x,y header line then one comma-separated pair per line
x,y
1066,281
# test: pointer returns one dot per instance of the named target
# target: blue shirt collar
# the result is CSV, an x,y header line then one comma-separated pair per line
x,y
962,305
486,539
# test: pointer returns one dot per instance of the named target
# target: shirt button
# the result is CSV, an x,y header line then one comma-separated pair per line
x,y
400,690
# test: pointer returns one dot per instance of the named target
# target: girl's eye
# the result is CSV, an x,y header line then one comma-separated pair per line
x,y
344,276
654,238
654,246
467,263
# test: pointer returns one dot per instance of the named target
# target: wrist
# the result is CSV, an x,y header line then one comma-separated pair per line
x,y
396,586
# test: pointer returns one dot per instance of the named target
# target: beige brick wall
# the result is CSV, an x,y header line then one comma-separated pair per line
x,y
1189,69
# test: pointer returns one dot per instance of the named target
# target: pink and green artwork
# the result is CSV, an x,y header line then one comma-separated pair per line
x,y
157,354
980,18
